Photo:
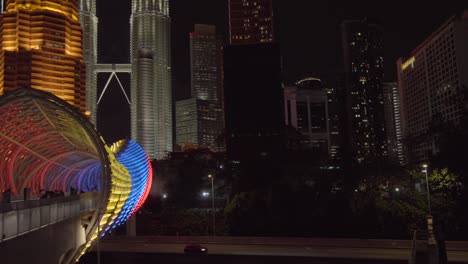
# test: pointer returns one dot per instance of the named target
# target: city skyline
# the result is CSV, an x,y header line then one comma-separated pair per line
x,y
300,51
298,125
303,55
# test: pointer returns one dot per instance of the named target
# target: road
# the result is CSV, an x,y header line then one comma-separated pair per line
x,y
145,258
263,250
257,250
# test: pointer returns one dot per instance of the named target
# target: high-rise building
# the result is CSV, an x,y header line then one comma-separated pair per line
x,y
205,63
431,83
253,99
362,42
251,21
197,124
203,115
336,113
41,48
89,24
151,92
306,108
393,127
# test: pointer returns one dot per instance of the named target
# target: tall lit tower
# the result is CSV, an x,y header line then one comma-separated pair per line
x,y
40,47
205,63
151,92
362,42
89,24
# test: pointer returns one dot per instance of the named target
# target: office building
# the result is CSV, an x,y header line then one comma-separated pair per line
x,y
393,123
205,64
251,21
200,120
431,82
253,99
362,42
41,48
197,125
151,92
306,108
336,122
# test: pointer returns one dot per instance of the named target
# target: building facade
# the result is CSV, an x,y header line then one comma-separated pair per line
x,y
362,42
207,93
197,125
89,24
251,21
336,114
306,108
431,83
393,127
41,48
151,87
205,64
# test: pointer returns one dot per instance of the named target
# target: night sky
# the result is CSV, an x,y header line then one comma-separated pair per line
x,y
309,34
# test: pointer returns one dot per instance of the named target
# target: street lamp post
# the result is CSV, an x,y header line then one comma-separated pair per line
x,y
212,203
430,224
425,170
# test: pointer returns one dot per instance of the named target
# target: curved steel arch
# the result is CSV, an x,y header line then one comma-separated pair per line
x,y
28,116
47,144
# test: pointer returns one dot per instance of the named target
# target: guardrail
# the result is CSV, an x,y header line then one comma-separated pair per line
x,y
18,218
278,241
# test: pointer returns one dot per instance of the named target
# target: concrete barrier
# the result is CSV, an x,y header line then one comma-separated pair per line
x,y
32,215
319,242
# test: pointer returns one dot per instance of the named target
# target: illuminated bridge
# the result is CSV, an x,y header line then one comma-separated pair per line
x,y
61,185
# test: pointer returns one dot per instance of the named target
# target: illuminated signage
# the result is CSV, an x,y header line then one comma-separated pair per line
x,y
409,62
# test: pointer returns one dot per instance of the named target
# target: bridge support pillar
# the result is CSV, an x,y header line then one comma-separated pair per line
x,y
131,226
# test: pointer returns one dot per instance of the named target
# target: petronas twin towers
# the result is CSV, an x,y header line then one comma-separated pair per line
x,y
150,68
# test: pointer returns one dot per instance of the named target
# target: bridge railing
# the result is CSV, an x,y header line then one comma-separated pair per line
x,y
18,218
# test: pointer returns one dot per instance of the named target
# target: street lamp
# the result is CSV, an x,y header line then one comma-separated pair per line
x,y
212,203
425,170
430,226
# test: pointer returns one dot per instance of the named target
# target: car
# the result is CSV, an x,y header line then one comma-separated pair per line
x,y
195,249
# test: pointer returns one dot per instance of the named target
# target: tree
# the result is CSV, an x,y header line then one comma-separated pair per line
x,y
447,199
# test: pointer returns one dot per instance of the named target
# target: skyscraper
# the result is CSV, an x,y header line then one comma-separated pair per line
x,y
205,64
151,89
393,127
362,42
431,83
41,48
336,114
89,24
251,21
203,115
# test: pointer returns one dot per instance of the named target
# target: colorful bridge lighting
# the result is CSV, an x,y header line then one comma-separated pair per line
x,y
46,144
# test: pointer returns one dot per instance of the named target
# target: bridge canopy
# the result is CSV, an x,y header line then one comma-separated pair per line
x,y
48,145
45,144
